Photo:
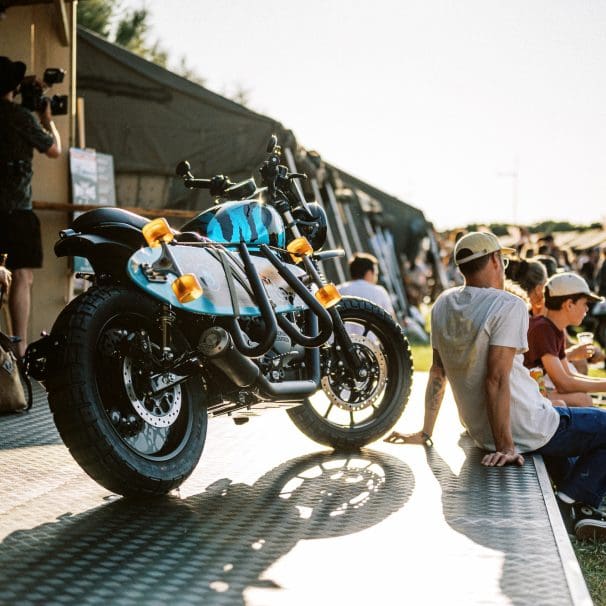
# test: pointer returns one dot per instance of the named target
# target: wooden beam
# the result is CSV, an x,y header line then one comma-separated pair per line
x,y
146,212
63,24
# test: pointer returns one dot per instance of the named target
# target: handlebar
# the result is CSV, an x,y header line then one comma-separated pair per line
x,y
274,175
197,183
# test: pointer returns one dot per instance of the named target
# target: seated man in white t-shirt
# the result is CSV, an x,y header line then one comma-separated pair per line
x,y
478,335
364,272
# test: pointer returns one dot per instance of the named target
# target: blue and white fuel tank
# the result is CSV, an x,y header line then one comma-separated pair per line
x,y
249,221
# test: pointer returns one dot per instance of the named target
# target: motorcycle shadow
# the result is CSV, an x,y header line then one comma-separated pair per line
x,y
208,548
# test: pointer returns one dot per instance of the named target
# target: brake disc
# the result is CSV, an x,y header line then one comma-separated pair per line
x,y
363,392
158,409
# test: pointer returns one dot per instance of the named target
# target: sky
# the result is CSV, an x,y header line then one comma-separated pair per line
x,y
470,110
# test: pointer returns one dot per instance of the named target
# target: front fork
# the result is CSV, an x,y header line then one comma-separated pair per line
x,y
345,347
343,343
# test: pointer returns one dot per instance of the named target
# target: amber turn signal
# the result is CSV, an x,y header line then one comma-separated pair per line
x,y
299,247
157,231
328,295
187,288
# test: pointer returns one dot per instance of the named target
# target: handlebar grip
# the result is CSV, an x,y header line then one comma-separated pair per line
x,y
197,183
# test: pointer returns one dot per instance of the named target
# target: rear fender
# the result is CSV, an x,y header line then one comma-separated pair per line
x,y
105,255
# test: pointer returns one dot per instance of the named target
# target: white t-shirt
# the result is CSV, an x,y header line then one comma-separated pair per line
x,y
464,322
367,290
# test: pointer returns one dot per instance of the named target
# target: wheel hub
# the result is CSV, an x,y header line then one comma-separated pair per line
x,y
158,409
357,393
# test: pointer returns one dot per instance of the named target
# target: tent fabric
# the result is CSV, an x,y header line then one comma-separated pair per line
x,y
149,119
407,224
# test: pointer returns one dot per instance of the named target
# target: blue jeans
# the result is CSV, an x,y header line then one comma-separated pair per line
x,y
582,435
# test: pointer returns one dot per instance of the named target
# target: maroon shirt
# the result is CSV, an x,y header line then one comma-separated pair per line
x,y
544,337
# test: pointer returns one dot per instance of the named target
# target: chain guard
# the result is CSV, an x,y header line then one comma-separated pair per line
x,y
374,383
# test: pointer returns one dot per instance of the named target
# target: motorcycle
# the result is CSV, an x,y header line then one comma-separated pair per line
x,y
230,315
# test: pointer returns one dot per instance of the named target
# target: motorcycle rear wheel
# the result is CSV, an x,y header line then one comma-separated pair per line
x,y
129,441
348,414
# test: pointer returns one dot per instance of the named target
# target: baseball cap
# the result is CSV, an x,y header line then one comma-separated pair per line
x,y
11,74
477,244
567,283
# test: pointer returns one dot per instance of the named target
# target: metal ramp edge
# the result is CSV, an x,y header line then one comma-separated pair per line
x,y
579,592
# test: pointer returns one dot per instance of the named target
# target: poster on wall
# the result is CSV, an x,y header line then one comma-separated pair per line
x,y
93,183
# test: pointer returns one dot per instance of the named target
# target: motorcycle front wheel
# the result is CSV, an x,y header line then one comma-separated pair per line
x,y
128,435
350,412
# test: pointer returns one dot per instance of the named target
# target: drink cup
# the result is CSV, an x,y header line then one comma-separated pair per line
x,y
585,337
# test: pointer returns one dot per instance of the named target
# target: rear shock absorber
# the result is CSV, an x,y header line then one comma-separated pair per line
x,y
166,319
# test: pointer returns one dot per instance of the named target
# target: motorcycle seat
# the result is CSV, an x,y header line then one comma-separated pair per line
x,y
99,216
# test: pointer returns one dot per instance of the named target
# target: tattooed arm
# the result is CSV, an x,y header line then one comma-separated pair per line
x,y
434,394
498,404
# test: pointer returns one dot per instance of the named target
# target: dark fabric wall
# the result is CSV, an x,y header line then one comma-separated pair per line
x,y
149,118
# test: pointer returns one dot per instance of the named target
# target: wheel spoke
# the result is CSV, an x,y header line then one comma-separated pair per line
x,y
352,421
328,410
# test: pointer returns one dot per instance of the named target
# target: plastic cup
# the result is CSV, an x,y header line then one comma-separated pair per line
x,y
585,337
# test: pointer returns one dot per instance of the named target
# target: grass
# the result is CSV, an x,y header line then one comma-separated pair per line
x,y
590,554
421,357
592,559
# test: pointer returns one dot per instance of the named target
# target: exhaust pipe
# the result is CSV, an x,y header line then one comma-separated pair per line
x,y
218,347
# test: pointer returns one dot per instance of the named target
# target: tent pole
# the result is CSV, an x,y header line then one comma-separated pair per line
x,y
437,261
392,261
330,236
335,209
376,246
353,230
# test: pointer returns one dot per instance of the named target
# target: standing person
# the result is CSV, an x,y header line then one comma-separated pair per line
x,y
478,337
364,272
20,134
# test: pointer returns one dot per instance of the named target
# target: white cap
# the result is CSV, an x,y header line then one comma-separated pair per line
x,y
479,244
568,284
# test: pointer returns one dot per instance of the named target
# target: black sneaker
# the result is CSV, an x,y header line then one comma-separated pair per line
x,y
590,523
567,513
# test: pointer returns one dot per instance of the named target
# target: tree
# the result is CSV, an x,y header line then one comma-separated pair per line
x,y
96,15
131,31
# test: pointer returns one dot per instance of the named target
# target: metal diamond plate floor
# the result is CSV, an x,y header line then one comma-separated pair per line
x,y
269,518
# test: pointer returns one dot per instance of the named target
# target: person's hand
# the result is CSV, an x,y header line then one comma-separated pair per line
x,y
396,437
45,114
598,355
5,278
582,351
503,457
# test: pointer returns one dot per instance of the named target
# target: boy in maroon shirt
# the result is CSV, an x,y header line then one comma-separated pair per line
x,y
566,297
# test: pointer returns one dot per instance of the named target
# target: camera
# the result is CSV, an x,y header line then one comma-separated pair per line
x,y
33,99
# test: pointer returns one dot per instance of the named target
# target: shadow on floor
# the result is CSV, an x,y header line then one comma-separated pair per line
x,y
205,549
502,508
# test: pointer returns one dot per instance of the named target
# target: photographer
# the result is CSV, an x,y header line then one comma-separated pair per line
x,y
20,133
